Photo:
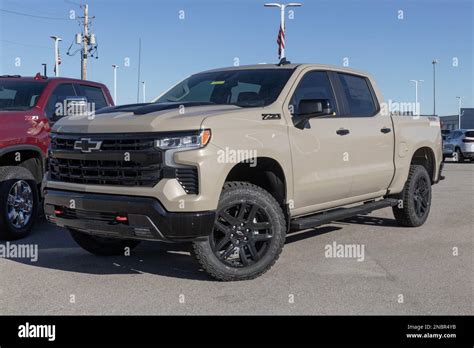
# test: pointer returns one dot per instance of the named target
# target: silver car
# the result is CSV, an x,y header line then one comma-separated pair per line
x,y
448,149
461,144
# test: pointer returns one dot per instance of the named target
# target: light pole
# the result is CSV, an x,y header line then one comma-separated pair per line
x,y
459,117
281,33
115,67
417,108
144,91
56,54
434,62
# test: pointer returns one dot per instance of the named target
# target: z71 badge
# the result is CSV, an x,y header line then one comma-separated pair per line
x,y
271,117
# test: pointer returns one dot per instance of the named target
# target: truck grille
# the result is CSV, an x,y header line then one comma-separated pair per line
x,y
106,166
88,215
67,143
104,172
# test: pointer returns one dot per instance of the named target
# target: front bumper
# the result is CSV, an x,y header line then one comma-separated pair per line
x,y
146,218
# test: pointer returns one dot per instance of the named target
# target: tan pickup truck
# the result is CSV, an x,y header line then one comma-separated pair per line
x,y
232,159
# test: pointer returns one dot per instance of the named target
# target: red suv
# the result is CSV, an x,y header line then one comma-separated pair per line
x,y
28,107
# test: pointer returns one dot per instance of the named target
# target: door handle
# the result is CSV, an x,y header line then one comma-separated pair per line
x,y
385,130
342,131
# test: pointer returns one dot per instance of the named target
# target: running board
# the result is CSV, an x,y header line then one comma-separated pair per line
x,y
340,214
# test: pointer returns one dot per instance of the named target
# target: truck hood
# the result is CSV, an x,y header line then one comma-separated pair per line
x,y
143,118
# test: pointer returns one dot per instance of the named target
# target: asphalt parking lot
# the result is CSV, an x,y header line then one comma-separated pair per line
x,y
404,271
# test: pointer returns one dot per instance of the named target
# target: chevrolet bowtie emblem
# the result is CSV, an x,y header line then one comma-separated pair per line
x,y
87,145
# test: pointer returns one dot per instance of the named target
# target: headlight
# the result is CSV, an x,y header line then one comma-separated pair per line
x,y
186,141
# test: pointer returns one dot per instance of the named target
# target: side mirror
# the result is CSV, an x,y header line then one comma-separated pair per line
x,y
309,108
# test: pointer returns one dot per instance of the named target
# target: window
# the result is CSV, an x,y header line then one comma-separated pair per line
x,y
55,108
93,95
243,91
358,95
313,85
244,88
470,134
19,95
455,135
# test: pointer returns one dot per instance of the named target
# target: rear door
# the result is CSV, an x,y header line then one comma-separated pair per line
x,y
371,136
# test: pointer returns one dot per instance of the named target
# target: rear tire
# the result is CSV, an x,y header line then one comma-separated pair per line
x,y
248,235
18,202
102,246
459,156
415,198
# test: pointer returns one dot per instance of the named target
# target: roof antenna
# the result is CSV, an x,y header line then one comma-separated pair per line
x,y
44,70
283,61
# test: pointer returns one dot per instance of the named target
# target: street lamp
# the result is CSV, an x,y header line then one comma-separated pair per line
x,y
281,33
144,91
459,117
56,54
115,67
434,62
417,108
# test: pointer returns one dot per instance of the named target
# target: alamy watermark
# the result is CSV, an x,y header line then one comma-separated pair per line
x,y
228,155
19,251
345,251
75,107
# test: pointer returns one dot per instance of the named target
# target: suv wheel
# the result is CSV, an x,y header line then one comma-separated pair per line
x,y
248,237
102,246
416,198
18,202
459,155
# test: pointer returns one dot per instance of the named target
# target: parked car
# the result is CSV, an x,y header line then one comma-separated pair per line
x,y
445,133
448,149
232,159
28,107
461,143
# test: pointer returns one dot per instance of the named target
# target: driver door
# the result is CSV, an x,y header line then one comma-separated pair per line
x,y
321,167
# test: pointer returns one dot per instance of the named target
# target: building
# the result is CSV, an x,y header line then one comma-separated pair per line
x,y
451,122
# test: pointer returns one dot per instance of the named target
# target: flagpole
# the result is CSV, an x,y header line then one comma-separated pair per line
x,y
282,24
281,32
56,54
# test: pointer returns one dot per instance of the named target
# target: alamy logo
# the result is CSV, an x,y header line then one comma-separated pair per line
x,y
237,156
37,331
345,251
19,251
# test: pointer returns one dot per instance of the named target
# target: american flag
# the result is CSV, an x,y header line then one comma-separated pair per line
x,y
281,40
59,62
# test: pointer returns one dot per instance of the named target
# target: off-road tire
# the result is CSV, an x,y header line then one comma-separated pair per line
x,y
9,176
102,246
407,215
237,193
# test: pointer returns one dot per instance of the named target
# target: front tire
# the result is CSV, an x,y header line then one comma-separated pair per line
x,y
248,235
415,202
18,202
102,246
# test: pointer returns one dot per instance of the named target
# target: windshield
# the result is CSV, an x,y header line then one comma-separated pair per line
x,y
246,88
20,95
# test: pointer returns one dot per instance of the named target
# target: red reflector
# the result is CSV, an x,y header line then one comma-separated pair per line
x,y
121,218
58,211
